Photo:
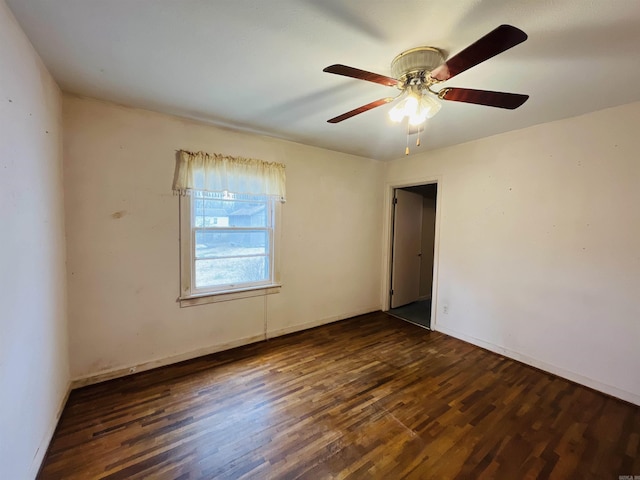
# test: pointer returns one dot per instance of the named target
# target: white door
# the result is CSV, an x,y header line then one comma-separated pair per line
x,y
407,241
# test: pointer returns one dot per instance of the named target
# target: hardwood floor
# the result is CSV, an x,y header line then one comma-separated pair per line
x,y
369,397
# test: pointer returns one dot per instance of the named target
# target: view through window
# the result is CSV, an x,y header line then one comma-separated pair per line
x,y
232,239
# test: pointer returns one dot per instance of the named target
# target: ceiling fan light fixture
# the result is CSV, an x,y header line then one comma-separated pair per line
x,y
396,114
429,105
417,119
418,108
406,107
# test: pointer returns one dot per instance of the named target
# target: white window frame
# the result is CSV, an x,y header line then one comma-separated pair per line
x,y
189,294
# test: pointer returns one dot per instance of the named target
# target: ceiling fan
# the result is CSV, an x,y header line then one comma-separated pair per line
x,y
416,71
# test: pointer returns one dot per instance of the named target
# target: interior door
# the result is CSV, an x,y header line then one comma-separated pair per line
x,y
407,241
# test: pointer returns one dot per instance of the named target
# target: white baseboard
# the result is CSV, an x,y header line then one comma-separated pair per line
x,y
123,371
322,321
561,372
141,367
41,451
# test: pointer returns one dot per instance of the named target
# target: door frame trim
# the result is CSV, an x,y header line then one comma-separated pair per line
x,y
387,243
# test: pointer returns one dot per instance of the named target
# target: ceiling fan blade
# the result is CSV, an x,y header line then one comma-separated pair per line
x,y
483,97
361,109
497,41
361,75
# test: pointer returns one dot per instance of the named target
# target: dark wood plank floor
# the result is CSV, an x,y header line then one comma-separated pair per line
x,y
369,397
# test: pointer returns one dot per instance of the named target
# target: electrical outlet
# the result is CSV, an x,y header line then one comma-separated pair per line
x,y
445,309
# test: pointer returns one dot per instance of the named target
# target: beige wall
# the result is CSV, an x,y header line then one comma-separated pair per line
x,y
539,241
124,272
34,373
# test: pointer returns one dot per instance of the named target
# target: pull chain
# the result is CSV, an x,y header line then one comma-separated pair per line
x,y
406,151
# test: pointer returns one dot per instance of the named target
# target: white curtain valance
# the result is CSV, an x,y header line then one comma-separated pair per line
x,y
222,173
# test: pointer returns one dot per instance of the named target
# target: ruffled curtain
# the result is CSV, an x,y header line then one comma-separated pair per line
x,y
222,173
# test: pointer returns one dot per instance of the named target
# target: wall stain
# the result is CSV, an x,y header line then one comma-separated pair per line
x,y
118,214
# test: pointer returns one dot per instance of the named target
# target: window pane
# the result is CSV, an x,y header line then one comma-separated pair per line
x,y
211,212
231,243
230,240
231,271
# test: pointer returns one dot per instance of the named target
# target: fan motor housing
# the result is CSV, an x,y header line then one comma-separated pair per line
x,y
412,65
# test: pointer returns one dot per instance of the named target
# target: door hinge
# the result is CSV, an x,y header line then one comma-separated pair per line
x,y
395,201
390,292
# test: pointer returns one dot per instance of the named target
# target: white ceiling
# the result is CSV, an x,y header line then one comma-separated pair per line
x,y
256,65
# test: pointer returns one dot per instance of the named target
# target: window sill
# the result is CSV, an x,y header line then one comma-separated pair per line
x,y
228,295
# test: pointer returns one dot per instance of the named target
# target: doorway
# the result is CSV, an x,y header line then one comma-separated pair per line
x,y
412,253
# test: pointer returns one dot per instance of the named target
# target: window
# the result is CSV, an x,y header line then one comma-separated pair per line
x,y
228,241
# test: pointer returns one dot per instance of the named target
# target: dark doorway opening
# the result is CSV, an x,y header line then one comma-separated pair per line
x,y
414,220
